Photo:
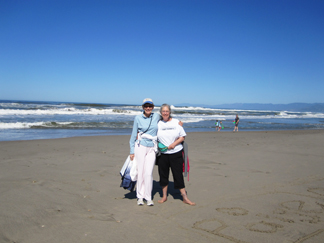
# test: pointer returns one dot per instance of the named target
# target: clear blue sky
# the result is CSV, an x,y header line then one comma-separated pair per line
x,y
174,51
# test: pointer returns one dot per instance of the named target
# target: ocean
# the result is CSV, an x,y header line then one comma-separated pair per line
x,y
27,120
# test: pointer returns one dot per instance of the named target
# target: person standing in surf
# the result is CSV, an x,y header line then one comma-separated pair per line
x,y
237,120
220,125
216,124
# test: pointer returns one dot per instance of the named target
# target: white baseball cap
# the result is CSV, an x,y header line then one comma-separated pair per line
x,y
148,101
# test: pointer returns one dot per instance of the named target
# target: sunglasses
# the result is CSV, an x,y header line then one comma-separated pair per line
x,y
145,106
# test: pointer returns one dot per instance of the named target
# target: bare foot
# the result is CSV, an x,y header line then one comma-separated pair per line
x,y
187,201
162,200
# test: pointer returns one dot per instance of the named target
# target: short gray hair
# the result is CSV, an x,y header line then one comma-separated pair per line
x,y
165,105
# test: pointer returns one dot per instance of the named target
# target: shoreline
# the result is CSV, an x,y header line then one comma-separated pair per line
x,y
249,187
212,131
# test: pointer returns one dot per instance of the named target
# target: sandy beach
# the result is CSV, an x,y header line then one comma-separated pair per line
x,y
248,186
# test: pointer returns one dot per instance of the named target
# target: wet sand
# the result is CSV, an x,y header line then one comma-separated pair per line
x,y
248,186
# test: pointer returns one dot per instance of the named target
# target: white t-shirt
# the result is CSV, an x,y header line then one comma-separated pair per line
x,y
168,132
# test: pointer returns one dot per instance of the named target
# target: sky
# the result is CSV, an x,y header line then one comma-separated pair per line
x,y
173,51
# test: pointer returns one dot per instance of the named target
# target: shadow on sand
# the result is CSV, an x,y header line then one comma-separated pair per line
x,y
175,193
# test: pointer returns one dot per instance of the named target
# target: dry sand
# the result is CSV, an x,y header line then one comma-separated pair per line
x,y
248,186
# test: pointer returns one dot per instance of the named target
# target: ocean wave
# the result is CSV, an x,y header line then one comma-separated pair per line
x,y
26,125
19,119
191,108
65,125
67,111
58,105
190,120
119,112
12,105
249,116
14,108
185,108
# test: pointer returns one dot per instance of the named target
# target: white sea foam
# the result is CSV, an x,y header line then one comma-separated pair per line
x,y
19,125
282,115
190,120
194,108
26,125
68,111
122,112
191,108
17,105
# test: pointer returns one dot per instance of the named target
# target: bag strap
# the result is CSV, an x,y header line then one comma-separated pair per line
x,y
149,125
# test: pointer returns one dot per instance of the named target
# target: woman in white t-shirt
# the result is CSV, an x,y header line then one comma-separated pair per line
x,y
171,134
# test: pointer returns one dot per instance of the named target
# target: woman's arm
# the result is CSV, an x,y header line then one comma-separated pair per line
x,y
176,142
133,139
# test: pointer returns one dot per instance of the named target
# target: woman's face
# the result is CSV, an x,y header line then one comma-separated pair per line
x,y
148,109
165,113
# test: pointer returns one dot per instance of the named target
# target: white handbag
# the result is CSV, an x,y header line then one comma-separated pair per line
x,y
133,171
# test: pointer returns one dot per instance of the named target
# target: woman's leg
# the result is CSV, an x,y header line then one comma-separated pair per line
x,y
164,170
177,170
176,164
140,152
185,199
148,173
165,196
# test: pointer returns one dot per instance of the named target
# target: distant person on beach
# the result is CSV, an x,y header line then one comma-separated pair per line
x,y
171,135
220,125
217,124
237,120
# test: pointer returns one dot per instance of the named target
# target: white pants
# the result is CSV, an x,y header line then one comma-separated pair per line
x,y
145,158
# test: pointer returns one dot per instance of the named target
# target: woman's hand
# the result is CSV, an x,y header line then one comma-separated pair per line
x,y
171,146
132,156
175,143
